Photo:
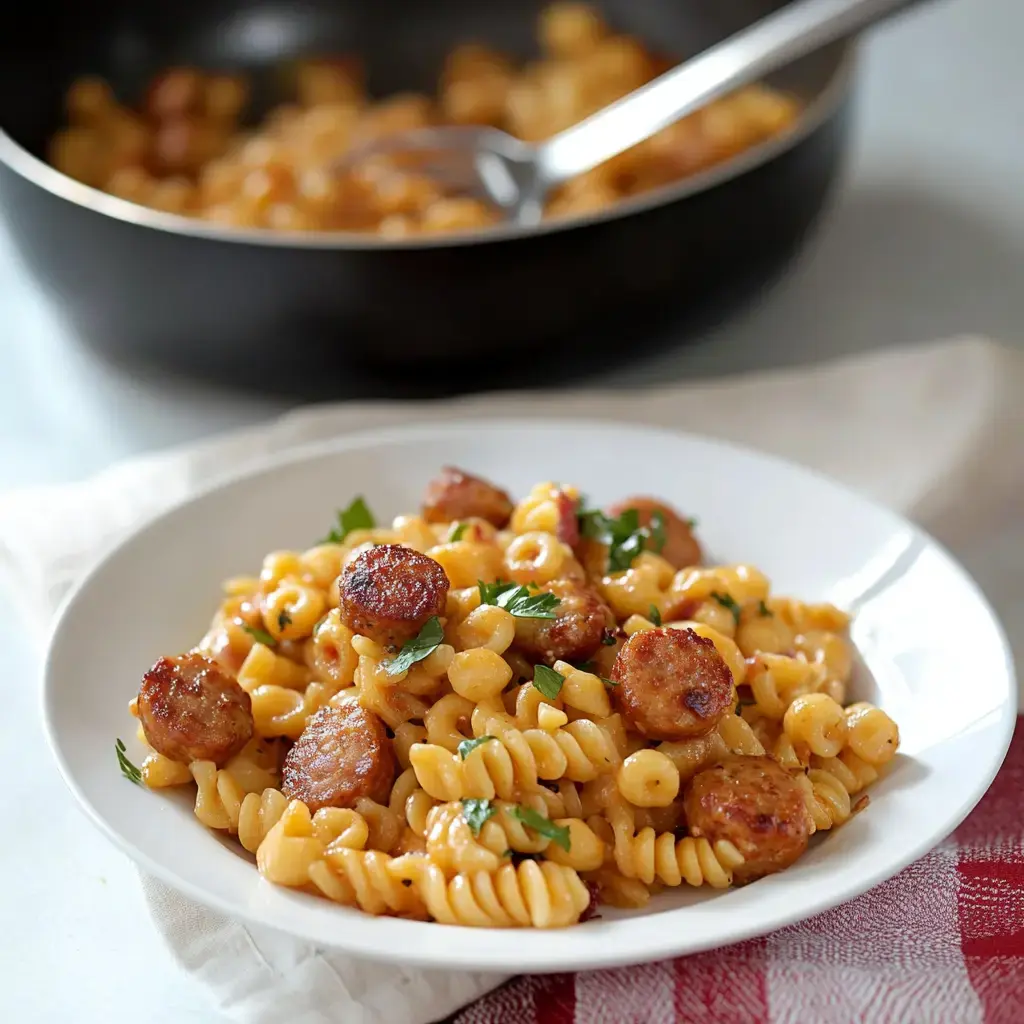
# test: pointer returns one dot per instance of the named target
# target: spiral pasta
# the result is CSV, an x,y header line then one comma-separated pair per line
x,y
650,857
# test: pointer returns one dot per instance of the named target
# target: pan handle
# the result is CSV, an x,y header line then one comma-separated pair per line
x,y
791,32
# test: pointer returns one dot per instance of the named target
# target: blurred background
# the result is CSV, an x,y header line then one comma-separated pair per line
x,y
920,232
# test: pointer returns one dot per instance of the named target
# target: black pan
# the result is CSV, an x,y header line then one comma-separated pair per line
x,y
514,304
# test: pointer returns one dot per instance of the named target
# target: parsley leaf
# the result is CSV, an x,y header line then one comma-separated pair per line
x,y
128,770
607,681
260,635
764,610
608,638
319,622
548,681
429,638
654,615
466,747
356,517
727,601
691,522
283,619
624,536
518,601
476,813
558,834
456,532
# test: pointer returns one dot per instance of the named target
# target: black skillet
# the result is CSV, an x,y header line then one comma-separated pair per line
x,y
482,309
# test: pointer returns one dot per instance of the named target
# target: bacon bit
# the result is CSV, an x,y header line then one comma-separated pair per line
x,y
568,528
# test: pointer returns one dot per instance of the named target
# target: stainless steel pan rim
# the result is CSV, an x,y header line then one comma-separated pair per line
x,y
49,178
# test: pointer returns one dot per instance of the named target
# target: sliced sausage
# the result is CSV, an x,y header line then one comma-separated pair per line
x,y
576,631
343,754
756,805
458,495
388,592
568,528
681,547
673,683
192,710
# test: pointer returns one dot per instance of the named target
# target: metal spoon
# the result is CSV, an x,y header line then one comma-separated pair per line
x,y
517,176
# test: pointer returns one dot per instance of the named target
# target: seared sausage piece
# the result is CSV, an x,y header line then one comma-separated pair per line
x,y
673,684
757,806
574,634
458,495
191,710
343,753
389,591
681,547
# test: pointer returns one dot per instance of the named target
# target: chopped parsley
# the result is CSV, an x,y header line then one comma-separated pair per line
x,y
691,522
456,532
623,535
283,620
466,747
608,638
548,681
654,615
356,517
476,813
319,622
558,834
764,610
517,600
260,635
128,770
727,601
419,647
607,681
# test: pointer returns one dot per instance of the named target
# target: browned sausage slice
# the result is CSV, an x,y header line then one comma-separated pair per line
x,y
681,547
757,806
673,684
191,710
576,631
458,495
388,593
343,753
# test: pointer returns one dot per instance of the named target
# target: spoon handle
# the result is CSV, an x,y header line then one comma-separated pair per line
x,y
797,29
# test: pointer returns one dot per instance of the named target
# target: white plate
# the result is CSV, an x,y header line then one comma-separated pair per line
x,y
933,656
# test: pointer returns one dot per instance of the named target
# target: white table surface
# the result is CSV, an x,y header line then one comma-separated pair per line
x,y
925,240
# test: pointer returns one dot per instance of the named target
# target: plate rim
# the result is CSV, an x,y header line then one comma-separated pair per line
x,y
431,955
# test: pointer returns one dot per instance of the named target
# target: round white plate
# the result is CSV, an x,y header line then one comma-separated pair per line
x,y
932,654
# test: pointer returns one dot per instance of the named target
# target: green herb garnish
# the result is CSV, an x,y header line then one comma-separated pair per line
x,y
607,681
558,834
283,620
654,615
476,813
548,681
726,601
128,770
466,747
429,638
691,522
260,635
356,517
456,532
319,622
624,535
764,610
608,638
518,601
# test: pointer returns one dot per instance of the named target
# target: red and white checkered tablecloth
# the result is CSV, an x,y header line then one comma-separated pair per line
x,y
941,943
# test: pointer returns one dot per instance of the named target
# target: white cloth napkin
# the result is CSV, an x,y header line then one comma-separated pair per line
x,y
934,431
